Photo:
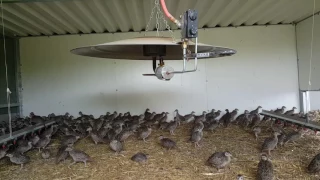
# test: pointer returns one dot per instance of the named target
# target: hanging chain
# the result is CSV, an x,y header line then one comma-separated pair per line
x,y
166,23
159,15
151,16
157,24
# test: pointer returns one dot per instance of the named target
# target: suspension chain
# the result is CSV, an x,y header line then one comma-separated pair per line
x,y
159,15
151,16
157,22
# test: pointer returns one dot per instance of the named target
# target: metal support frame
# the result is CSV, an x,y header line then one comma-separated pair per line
x,y
185,57
154,63
18,75
5,138
11,105
295,120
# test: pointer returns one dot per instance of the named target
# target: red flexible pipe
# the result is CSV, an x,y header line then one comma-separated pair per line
x,y
166,12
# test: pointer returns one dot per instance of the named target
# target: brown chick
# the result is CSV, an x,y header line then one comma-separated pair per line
x,y
167,143
172,126
95,136
189,117
145,133
265,169
78,156
219,160
139,157
116,146
45,154
198,125
69,139
290,112
124,135
24,148
196,137
43,142
293,137
314,165
62,154
270,143
257,131
280,111
281,139
18,158
3,151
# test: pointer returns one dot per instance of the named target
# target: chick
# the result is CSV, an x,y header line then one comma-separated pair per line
x,y
3,151
172,126
144,133
270,143
18,158
124,135
24,148
43,142
258,110
95,136
45,154
62,154
280,111
78,156
69,139
257,131
198,125
255,120
212,125
116,146
281,139
293,137
189,117
196,137
139,157
34,139
265,169
219,160
167,143
314,165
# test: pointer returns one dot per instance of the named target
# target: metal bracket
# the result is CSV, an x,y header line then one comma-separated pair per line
x,y
294,120
210,54
154,63
185,57
24,131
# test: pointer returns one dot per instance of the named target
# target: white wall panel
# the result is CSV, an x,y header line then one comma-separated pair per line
x,y
304,30
314,100
263,72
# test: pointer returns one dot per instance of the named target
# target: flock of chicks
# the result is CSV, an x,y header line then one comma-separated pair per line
x,y
114,129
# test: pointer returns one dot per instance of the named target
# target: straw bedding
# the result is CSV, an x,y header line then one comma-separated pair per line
x,y
315,115
185,162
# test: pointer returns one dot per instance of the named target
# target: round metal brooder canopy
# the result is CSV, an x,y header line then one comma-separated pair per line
x,y
133,49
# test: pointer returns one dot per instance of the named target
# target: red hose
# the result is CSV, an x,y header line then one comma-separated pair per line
x,y
166,12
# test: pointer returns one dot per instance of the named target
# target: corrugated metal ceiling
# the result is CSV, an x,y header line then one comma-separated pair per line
x,y
99,16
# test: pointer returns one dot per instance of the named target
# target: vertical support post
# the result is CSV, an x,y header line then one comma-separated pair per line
x,y
308,101
184,47
18,75
154,63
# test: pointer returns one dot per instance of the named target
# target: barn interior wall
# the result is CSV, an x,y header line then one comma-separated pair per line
x,y
304,34
11,61
263,72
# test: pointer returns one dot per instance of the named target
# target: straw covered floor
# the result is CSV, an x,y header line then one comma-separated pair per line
x,y
185,162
